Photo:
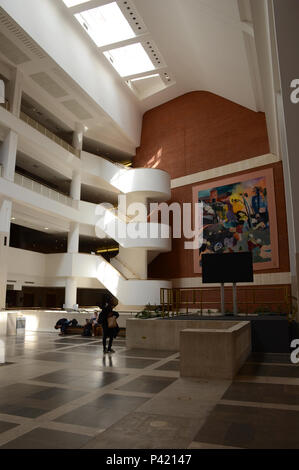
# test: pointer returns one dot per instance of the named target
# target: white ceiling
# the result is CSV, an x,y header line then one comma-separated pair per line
x,y
206,45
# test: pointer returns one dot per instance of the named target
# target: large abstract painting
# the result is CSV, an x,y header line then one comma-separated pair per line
x,y
239,214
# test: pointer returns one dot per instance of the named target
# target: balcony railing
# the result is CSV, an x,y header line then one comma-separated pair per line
x,y
43,190
49,134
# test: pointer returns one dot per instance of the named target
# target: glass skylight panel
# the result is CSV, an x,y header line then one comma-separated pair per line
x,y
106,24
73,3
130,60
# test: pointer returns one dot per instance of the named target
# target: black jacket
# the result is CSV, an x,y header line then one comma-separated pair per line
x,y
103,321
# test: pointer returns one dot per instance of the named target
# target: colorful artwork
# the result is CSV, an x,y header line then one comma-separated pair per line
x,y
239,215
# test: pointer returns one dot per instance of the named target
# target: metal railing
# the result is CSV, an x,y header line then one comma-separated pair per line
x,y
43,130
179,301
43,190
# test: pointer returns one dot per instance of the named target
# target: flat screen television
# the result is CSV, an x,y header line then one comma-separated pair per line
x,y
227,267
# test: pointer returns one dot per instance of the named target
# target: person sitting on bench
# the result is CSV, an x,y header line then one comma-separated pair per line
x,y
87,330
63,324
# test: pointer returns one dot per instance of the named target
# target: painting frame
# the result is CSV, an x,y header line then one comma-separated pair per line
x,y
268,175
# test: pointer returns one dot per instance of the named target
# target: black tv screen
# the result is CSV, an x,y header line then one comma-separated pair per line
x,y
227,267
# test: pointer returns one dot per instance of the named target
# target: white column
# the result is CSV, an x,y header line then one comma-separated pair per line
x,y
16,88
78,135
73,238
75,191
8,154
5,217
70,293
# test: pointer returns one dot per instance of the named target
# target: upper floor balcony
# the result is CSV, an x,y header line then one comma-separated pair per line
x,y
43,130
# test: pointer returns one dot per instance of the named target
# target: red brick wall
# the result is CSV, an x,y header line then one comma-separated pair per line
x,y
199,131
196,132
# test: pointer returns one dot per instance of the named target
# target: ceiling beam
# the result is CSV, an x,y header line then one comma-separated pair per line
x,y
126,42
89,5
144,74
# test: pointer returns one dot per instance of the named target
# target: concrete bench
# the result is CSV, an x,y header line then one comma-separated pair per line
x,y
217,352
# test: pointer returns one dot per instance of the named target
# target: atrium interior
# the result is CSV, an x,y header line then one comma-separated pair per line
x,y
137,138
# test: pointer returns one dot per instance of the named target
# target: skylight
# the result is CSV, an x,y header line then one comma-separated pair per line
x,y
130,60
105,24
73,3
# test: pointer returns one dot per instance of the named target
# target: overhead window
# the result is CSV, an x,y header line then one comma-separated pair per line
x,y
106,24
73,3
130,60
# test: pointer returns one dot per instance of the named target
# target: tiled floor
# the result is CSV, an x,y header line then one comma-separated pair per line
x,y
62,393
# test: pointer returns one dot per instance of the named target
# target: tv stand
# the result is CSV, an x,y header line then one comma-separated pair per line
x,y
235,305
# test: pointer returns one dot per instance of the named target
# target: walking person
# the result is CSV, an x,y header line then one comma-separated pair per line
x,y
107,319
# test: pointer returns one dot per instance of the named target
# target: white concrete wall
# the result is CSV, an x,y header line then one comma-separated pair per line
x,y
151,182
56,33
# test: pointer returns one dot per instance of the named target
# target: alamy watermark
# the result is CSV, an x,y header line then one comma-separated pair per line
x,y
295,353
142,221
295,93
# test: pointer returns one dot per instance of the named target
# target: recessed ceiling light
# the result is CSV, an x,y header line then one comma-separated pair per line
x,y
106,24
46,228
13,218
130,60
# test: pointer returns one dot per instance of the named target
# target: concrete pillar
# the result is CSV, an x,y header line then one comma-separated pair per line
x,y
78,135
16,88
73,238
8,154
285,16
70,293
75,191
5,217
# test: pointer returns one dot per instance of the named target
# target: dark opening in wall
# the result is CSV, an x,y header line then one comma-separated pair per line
x,y
51,297
34,240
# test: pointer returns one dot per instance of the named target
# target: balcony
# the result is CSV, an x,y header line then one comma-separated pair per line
x,y
31,122
43,190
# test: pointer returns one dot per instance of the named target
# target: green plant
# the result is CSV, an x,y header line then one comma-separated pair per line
x,y
150,311
293,309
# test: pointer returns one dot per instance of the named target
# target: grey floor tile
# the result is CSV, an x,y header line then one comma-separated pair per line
x,y
125,362
263,393
42,438
21,410
147,431
4,426
120,402
251,428
62,376
56,396
92,417
102,412
147,384
291,371
144,353
171,365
